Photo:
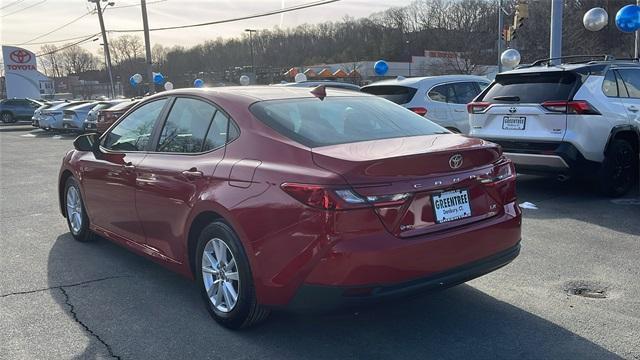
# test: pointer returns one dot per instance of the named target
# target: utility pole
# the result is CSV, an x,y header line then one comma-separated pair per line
x,y
635,52
147,46
105,46
500,28
251,31
555,45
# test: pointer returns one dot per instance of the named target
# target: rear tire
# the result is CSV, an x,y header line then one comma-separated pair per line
x,y
619,170
245,311
76,215
7,117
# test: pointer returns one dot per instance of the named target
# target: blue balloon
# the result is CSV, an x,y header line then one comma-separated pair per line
x,y
158,78
628,18
381,67
198,83
132,82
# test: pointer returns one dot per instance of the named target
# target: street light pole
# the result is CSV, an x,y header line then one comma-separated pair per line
x,y
555,43
147,46
635,52
251,31
500,28
105,44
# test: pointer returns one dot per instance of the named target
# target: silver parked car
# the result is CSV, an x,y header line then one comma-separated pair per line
x,y
442,99
92,116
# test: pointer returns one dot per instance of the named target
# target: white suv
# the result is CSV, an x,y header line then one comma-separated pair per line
x,y
442,99
571,119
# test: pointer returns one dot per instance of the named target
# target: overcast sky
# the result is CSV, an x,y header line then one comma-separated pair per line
x,y
46,15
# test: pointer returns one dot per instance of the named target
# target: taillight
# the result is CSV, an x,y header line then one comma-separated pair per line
x,y
579,107
501,171
332,198
501,180
419,110
477,107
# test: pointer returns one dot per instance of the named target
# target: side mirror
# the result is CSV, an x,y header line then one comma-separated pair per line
x,y
86,142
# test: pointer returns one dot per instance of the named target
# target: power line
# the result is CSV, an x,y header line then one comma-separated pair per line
x,y
11,4
59,40
273,12
56,29
67,46
24,8
134,5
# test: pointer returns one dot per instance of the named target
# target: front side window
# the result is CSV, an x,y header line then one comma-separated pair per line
x,y
341,120
186,126
134,131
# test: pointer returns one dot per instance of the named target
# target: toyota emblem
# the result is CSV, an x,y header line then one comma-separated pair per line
x,y
512,110
20,56
455,161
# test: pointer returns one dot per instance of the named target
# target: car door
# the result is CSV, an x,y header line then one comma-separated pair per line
x,y
189,145
464,92
631,81
438,109
109,177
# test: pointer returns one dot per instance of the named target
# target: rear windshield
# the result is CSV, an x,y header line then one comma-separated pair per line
x,y
397,94
341,120
532,88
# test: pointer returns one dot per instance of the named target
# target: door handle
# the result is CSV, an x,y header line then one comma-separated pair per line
x,y
632,108
129,166
192,173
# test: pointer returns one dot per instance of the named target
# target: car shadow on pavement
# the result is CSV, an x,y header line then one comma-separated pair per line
x,y
579,200
137,309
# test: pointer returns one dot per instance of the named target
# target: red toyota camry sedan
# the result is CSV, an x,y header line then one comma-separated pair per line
x,y
274,197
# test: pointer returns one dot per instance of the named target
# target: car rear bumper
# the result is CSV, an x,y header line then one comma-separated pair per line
x,y
546,157
71,125
380,265
315,297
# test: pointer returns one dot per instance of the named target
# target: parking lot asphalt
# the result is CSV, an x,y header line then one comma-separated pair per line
x,y
64,299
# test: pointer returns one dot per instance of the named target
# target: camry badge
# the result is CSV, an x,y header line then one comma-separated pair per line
x,y
455,161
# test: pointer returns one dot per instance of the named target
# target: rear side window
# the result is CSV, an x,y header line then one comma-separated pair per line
x,y
217,134
341,120
465,92
397,94
631,80
532,88
186,126
442,93
610,84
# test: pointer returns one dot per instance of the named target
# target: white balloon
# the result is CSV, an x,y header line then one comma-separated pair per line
x,y
244,80
168,85
595,19
510,58
300,77
137,78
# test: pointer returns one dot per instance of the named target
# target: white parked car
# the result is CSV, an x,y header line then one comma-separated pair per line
x,y
572,119
442,99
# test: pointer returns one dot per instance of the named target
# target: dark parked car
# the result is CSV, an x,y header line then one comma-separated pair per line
x,y
12,110
273,197
106,117
91,121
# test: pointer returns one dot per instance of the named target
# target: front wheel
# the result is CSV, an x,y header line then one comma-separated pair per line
x,y
77,219
619,169
224,275
6,117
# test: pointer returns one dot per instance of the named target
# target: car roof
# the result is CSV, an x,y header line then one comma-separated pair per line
x,y
328,83
417,81
88,105
252,94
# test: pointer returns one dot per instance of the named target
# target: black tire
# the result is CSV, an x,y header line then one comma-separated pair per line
x,y
247,311
619,170
83,234
7,117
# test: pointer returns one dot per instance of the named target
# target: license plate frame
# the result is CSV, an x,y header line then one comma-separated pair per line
x,y
518,123
444,213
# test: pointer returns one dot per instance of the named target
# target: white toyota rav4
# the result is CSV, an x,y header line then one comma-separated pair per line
x,y
579,119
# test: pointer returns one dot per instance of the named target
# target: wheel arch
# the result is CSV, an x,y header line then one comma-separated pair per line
x,y
627,132
64,176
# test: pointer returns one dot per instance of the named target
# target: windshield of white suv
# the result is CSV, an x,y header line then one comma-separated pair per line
x,y
532,88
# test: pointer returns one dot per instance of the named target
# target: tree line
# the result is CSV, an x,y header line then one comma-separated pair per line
x,y
468,27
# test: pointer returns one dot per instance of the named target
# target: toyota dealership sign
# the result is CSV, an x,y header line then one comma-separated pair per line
x,y
23,80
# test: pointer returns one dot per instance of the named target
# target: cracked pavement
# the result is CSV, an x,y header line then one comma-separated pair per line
x,y
60,299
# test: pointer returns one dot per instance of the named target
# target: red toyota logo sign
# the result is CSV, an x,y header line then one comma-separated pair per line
x,y
20,56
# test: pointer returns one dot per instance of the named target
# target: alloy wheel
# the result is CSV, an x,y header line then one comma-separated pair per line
x,y
220,275
74,209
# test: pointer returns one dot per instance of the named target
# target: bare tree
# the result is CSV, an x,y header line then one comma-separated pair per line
x,y
51,61
76,60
